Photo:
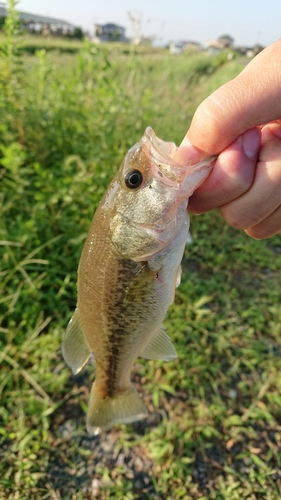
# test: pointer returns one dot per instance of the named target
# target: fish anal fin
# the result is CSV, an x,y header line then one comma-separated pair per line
x,y
125,407
160,347
75,348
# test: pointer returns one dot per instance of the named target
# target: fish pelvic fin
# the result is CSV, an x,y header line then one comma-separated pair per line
x,y
124,408
160,347
75,348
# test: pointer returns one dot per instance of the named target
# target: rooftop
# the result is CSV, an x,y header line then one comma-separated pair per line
x,y
26,16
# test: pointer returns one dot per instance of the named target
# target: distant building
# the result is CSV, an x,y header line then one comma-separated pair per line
x,y
225,41
249,51
221,43
191,45
41,24
142,40
110,33
176,48
211,48
180,46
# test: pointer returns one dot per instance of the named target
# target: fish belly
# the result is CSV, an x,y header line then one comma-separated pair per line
x,y
120,309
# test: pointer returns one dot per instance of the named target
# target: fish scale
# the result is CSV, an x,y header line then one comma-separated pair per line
x,y
128,271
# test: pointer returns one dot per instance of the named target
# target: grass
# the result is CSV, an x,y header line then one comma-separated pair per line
x,y
213,430
30,44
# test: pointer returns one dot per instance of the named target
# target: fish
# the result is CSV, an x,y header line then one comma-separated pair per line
x,y
127,275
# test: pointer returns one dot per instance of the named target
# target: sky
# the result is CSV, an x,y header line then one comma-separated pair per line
x,y
247,21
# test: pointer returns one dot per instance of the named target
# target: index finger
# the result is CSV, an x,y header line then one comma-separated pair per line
x,y
249,100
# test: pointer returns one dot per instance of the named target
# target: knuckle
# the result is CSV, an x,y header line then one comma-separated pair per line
x,y
236,219
240,184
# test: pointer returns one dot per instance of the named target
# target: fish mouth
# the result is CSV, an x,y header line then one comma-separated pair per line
x,y
164,168
164,177
185,178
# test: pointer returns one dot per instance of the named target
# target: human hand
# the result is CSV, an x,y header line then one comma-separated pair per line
x,y
241,123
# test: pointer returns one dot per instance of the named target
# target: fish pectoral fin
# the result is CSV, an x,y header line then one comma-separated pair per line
x,y
178,277
160,347
75,348
124,407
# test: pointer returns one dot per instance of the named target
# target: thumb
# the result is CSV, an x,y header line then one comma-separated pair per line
x,y
252,98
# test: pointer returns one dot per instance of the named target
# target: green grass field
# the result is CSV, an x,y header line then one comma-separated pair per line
x,y
213,431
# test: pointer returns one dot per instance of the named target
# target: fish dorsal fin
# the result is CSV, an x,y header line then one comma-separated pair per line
x,y
160,347
75,348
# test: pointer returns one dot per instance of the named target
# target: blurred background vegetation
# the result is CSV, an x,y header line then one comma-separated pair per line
x,y
67,118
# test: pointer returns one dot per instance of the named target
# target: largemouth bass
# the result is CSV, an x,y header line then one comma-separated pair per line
x,y
128,271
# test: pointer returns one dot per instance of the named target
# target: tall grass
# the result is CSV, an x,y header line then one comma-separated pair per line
x,y
66,123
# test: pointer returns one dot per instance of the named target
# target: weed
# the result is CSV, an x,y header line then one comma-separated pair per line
x,y
213,430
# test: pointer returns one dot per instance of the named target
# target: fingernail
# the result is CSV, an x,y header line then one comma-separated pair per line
x,y
187,154
251,142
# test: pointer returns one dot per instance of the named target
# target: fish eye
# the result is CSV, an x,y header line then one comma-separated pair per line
x,y
133,179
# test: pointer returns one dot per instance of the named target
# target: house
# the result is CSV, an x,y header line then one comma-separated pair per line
x,y
110,32
191,45
225,41
176,48
142,40
180,46
249,51
221,43
35,23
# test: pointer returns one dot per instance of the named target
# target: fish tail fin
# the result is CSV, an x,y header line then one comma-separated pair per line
x,y
125,407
